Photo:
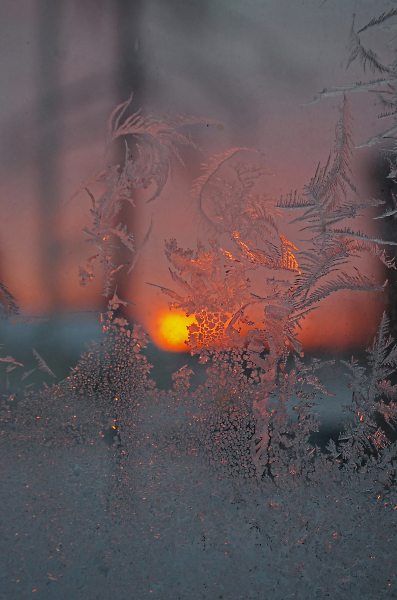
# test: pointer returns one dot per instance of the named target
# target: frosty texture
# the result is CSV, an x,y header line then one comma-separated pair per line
x,y
214,491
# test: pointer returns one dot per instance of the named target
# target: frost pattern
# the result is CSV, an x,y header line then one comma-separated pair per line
x,y
148,160
221,478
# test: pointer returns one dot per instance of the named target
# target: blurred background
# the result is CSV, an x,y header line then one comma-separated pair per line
x,y
255,67
252,66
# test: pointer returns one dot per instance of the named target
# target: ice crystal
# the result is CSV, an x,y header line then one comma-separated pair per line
x,y
220,476
150,160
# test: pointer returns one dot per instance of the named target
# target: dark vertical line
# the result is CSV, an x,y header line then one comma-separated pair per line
x,y
129,78
48,147
130,75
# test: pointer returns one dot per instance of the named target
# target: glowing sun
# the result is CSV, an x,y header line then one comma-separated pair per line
x,y
172,331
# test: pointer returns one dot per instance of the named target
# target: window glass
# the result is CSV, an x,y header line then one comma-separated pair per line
x,y
198,299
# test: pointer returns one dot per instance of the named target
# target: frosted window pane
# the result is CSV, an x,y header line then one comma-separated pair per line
x,y
198,300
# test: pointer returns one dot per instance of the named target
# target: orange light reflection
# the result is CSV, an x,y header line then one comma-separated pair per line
x,y
171,331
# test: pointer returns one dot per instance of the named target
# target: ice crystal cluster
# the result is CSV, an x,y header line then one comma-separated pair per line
x,y
215,490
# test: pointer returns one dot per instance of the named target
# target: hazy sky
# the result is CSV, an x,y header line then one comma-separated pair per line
x,y
253,65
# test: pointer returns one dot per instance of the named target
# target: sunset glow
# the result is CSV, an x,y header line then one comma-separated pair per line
x,y
171,332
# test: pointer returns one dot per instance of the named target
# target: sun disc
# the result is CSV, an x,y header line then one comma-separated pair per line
x,y
172,331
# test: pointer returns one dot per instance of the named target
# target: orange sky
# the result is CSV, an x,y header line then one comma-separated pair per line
x,y
344,320
256,77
